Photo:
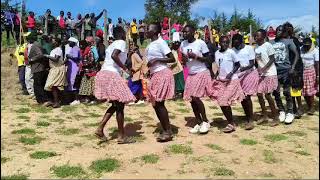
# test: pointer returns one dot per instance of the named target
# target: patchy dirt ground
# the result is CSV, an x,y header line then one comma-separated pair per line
x,y
39,142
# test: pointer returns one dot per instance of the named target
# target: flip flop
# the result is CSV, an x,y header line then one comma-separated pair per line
x,y
126,140
229,128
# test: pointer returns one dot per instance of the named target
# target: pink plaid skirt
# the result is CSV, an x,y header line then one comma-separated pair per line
x,y
111,86
249,82
310,86
267,84
198,85
161,86
227,93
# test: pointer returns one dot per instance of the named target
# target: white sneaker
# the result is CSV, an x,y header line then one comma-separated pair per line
x,y
204,127
289,118
282,116
75,102
195,129
140,102
131,103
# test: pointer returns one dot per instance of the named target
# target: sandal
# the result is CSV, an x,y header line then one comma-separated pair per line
x,y
229,128
101,137
126,140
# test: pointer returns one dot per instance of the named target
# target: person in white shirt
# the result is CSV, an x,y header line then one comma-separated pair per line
x,y
248,75
110,86
110,29
310,58
198,84
161,83
268,76
227,89
57,77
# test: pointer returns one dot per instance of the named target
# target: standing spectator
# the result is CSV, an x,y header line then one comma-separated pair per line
x,y
39,66
177,69
177,26
31,22
2,21
73,60
28,75
87,27
62,23
19,54
93,21
120,23
17,25
110,28
70,24
51,22
141,28
78,25
100,46
9,17
134,31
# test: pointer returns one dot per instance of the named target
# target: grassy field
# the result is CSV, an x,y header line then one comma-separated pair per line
x,y
40,143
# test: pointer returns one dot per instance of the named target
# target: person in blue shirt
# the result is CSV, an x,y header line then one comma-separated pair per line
x,y
8,24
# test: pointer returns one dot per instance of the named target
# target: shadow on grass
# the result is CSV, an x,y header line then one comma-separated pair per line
x,y
174,128
130,129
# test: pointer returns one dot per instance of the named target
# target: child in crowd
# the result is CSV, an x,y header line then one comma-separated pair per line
x,y
139,69
198,84
90,67
110,86
227,88
249,76
285,69
310,57
161,83
177,69
268,80
57,74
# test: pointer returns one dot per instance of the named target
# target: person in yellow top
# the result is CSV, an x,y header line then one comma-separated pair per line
x,y
215,35
134,31
246,38
19,54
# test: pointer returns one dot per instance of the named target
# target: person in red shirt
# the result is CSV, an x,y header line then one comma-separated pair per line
x,y
31,22
62,23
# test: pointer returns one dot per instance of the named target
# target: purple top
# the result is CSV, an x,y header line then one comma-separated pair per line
x,y
9,17
73,68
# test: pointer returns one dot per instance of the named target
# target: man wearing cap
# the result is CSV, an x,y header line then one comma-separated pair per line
x,y
39,69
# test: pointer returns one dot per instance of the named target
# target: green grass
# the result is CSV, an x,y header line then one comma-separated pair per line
x,y
249,142
31,140
43,123
180,104
183,110
222,171
24,131
215,147
67,171
79,116
42,154
105,165
44,117
94,115
89,136
269,157
22,110
275,137
150,158
179,149
172,116
15,177
218,114
4,160
58,120
68,132
303,153
90,124
42,109
128,119
68,108
23,117
296,133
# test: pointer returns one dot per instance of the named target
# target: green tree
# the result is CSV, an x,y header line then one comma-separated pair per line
x,y
179,10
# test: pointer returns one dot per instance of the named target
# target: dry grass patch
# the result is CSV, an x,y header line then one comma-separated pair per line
x,y
23,110
275,137
269,157
68,132
249,142
179,149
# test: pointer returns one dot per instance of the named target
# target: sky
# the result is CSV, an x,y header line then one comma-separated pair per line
x,y
303,13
